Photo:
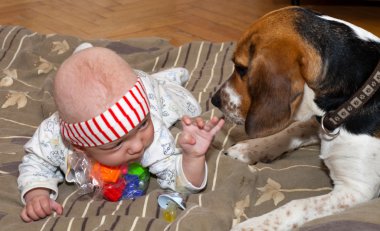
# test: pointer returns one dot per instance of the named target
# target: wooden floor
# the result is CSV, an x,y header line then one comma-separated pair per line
x,y
180,21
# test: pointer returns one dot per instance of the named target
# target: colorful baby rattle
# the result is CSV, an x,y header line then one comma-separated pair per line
x,y
125,182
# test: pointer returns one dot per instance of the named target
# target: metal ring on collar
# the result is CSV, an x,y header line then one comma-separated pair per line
x,y
328,132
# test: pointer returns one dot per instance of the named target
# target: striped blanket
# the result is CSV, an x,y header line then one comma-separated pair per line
x,y
28,62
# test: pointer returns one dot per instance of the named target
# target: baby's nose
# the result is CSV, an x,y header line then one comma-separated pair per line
x,y
136,148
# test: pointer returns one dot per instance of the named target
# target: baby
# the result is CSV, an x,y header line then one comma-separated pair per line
x,y
115,115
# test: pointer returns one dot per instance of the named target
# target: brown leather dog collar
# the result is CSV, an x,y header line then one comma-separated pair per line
x,y
333,119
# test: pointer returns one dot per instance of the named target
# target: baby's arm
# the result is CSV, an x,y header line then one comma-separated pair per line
x,y
195,140
39,174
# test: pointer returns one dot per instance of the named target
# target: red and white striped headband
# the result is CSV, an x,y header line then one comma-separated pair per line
x,y
112,124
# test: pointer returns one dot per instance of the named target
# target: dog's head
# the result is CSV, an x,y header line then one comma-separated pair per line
x,y
272,64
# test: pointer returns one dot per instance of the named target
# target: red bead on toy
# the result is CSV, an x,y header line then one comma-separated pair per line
x,y
114,191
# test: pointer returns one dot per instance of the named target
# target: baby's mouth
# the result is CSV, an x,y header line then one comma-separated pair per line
x,y
137,157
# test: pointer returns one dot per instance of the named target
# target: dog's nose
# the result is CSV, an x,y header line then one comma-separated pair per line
x,y
215,100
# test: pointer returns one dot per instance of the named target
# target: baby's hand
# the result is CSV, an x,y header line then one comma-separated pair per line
x,y
39,205
197,135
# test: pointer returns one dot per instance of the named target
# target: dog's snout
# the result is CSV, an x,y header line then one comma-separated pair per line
x,y
215,100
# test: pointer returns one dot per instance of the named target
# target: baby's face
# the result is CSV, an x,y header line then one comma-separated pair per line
x,y
127,149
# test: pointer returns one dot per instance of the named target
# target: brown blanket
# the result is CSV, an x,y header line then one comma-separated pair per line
x,y
28,63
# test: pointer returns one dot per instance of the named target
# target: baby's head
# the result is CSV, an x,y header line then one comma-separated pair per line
x,y
89,82
103,106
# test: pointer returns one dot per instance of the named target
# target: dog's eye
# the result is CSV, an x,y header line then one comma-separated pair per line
x,y
241,70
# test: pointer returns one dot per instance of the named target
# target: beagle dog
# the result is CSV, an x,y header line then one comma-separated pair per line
x,y
292,68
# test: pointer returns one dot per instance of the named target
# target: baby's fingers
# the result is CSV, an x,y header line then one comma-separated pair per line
x,y
42,207
31,211
186,120
56,207
24,216
200,122
215,120
217,125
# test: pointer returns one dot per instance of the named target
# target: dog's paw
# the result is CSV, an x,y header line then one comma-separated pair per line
x,y
241,152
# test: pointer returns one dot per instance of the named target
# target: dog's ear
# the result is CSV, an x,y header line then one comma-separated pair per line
x,y
275,92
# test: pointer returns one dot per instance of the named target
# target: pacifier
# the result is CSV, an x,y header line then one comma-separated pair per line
x,y
169,202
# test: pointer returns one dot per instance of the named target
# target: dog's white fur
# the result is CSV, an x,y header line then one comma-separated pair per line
x,y
234,102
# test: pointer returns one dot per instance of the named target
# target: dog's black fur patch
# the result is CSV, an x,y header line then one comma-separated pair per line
x,y
349,60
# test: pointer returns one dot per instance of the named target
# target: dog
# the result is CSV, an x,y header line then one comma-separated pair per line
x,y
294,71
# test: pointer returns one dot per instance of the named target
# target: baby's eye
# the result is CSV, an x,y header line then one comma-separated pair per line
x,y
114,146
144,124
118,144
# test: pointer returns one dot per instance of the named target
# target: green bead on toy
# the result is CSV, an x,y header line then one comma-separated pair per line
x,y
138,170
